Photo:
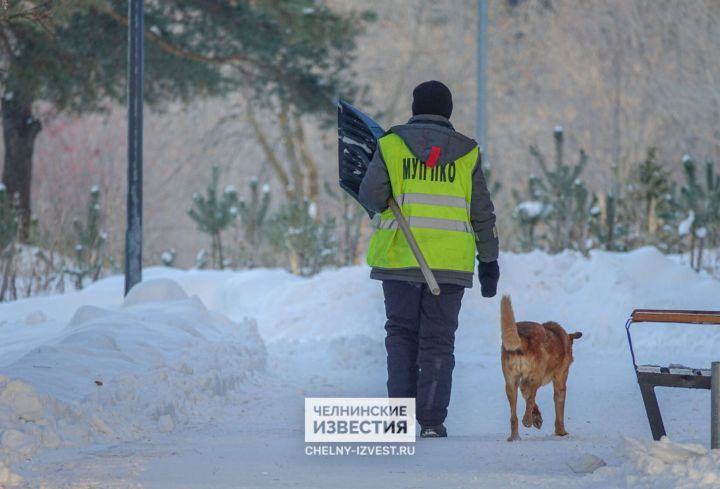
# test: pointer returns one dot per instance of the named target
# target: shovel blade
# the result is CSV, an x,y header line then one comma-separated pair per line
x,y
358,136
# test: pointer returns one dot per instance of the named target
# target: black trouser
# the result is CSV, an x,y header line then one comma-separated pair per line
x,y
420,343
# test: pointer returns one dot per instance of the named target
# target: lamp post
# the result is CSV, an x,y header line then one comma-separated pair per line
x,y
715,406
133,233
482,15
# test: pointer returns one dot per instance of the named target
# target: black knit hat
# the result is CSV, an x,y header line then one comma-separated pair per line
x,y
432,97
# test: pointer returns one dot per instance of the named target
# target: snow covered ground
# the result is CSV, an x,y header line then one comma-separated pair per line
x,y
197,380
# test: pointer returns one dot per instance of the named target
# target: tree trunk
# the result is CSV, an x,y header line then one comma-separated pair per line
x,y
692,247
221,258
651,217
7,287
269,152
531,236
310,165
20,129
286,135
698,266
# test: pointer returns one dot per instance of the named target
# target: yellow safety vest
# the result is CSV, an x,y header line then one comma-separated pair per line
x,y
435,201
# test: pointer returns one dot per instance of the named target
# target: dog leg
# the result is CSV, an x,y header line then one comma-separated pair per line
x,y
511,391
537,417
560,387
528,392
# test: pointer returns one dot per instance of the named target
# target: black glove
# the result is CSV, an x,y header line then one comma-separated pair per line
x,y
489,274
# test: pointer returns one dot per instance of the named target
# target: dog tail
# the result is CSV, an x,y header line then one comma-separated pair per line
x,y
510,336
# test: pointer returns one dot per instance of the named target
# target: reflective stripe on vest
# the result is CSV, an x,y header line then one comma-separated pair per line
x,y
429,223
435,200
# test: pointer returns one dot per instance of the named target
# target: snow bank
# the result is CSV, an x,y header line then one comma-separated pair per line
x,y
124,372
664,464
594,295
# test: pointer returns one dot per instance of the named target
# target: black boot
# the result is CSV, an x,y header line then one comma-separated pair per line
x,y
438,431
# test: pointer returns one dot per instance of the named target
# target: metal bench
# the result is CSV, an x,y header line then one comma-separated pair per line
x,y
651,376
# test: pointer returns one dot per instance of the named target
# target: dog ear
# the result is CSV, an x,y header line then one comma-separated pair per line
x,y
575,336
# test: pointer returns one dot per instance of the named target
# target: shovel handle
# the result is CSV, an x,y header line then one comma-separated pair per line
x,y
405,227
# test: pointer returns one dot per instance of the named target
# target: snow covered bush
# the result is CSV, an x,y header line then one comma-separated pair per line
x,y
648,206
167,257
253,213
9,226
214,213
607,223
700,201
561,202
27,269
352,217
201,259
529,214
306,241
557,211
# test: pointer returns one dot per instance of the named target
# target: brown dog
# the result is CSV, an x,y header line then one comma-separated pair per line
x,y
534,354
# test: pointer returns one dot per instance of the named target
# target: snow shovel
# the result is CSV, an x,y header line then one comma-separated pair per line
x,y
358,137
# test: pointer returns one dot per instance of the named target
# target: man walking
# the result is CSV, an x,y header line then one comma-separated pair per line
x,y
435,174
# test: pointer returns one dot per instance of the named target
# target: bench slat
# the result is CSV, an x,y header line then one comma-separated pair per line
x,y
674,370
675,316
671,380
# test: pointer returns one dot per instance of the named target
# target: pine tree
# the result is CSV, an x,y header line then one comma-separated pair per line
x,y
649,203
253,213
700,200
606,222
213,213
90,241
565,196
